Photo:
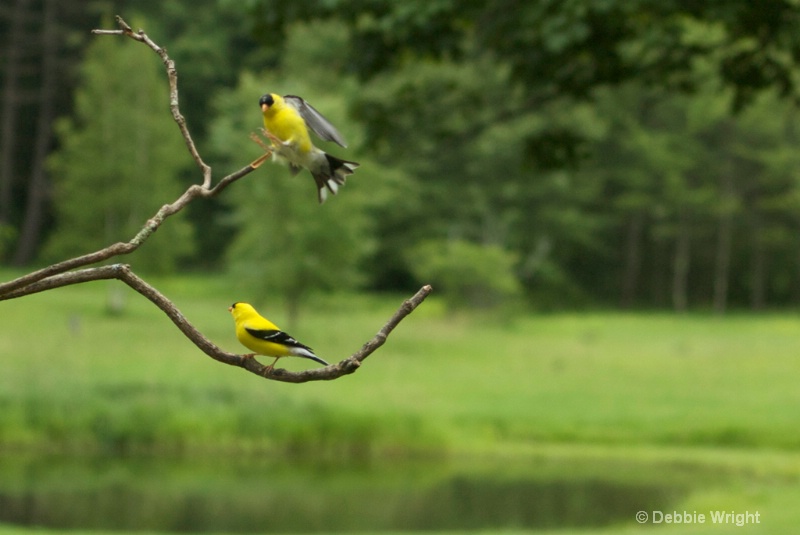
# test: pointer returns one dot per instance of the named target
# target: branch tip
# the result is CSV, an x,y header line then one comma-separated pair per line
x,y
122,24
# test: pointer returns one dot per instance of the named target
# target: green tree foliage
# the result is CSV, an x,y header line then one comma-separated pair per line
x,y
7,235
558,48
287,246
119,159
40,47
476,180
557,130
467,274
703,205
592,141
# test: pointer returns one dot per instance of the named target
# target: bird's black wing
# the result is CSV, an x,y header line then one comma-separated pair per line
x,y
276,337
315,120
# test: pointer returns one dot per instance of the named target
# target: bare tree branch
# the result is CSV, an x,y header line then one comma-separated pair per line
x,y
172,75
65,273
124,273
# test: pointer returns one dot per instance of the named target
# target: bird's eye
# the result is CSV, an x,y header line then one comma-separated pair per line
x,y
266,99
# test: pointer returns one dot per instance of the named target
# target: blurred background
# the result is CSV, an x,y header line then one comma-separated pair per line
x,y
605,196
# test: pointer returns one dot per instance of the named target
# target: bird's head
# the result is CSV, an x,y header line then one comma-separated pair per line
x,y
267,101
241,310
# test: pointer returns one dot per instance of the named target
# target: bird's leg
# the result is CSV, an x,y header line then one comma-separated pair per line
x,y
271,366
266,148
249,355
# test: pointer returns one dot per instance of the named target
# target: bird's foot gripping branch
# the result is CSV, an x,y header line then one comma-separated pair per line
x,y
74,270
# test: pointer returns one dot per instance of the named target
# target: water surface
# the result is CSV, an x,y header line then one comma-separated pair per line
x,y
265,496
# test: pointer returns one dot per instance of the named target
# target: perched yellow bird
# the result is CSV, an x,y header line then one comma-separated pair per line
x,y
259,334
287,120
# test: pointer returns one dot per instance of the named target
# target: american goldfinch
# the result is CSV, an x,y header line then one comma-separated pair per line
x,y
287,120
259,334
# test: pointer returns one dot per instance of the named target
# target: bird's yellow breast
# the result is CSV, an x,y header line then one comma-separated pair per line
x,y
285,123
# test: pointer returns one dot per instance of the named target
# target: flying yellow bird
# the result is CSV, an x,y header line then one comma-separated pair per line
x,y
287,120
259,334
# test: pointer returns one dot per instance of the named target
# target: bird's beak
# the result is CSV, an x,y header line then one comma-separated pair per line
x,y
230,309
264,107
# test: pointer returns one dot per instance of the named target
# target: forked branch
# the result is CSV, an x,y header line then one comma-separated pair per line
x,y
66,273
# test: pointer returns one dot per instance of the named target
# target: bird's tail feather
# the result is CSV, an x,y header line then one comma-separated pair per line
x,y
309,355
334,176
321,361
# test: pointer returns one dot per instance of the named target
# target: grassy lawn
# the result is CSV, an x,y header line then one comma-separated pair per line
x,y
459,382
682,391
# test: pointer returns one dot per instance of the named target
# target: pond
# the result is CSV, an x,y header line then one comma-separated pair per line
x,y
252,495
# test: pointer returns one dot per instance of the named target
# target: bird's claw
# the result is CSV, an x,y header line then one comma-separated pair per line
x,y
276,141
260,142
269,369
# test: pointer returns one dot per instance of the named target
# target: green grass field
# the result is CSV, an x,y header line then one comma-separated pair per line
x,y
674,391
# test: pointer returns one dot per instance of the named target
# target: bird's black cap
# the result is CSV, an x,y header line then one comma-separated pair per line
x,y
266,99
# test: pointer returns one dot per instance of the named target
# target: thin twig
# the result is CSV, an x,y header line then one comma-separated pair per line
x,y
172,76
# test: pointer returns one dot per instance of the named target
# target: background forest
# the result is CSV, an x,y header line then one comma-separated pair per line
x,y
608,153
577,157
